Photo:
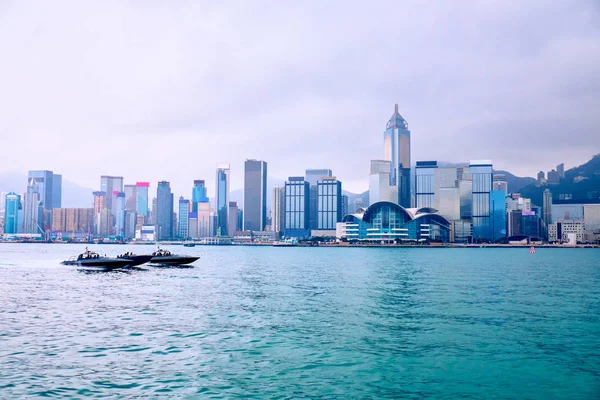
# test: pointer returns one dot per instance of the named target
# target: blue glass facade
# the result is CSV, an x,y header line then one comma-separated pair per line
x,y
222,200
164,211
329,204
386,221
255,195
297,200
396,146
481,173
142,198
183,218
12,206
199,194
425,183
498,214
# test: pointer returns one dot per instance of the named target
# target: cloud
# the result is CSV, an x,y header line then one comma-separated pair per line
x,y
156,90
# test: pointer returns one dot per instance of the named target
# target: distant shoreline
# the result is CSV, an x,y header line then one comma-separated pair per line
x,y
370,245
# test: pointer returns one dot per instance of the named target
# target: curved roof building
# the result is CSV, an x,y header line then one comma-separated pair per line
x,y
387,221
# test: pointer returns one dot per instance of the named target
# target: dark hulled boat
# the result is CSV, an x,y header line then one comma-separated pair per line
x,y
90,259
135,259
165,257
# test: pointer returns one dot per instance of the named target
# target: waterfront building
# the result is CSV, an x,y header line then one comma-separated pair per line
x,y
105,222
297,207
462,231
329,203
547,208
531,224
130,224
205,224
567,210
99,205
447,202
396,144
313,176
146,234
153,212
425,183
12,205
184,218
233,218
560,230
119,210
193,225
130,197
164,211
481,175
76,222
142,199
465,189
591,220
222,199
278,215
498,214
255,196
389,222
379,182
344,204
500,183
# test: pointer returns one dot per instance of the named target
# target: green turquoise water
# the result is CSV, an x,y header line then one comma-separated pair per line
x,y
250,322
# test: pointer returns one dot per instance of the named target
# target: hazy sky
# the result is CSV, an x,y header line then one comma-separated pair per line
x,y
155,90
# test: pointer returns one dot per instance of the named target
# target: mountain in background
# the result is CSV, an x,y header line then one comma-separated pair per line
x,y
73,195
580,183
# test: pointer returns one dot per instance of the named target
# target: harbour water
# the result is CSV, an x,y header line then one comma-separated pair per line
x,y
266,322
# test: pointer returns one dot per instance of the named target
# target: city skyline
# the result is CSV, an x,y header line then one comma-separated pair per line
x,y
515,92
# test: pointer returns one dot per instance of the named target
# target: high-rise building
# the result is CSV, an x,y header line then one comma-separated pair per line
x,y
497,215
222,199
560,169
547,207
142,199
541,178
119,209
425,183
297,207
500,183
344,205
99,206
49,188
396,146
34,210
447,202
553,178
379,183
153,211
233,218
255,195
204,218
109,185
278,216
131,197
12,205
164,211
313,176
329,203
184,218
199,194
481,173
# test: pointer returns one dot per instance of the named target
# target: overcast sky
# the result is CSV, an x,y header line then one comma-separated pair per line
x,y
157,90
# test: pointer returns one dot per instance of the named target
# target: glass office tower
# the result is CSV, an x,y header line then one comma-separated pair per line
x,y
498,214
164,211
142,198
396,147
222,199
329,203
425,183
12,206
255,195
297,206
481,173
184,218
199,194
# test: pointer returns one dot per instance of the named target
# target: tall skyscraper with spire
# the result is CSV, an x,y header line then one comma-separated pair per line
x,y
396,148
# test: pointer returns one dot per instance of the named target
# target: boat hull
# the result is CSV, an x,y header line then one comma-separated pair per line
x,y
173,260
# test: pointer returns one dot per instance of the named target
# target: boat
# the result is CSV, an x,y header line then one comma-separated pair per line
x,y
165,257
286,243
136,259
91,259
189,244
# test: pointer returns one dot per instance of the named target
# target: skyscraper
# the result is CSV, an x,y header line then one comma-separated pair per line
x,y
99,207
297,207
497,214
396,147
119,206
142,198
481,172
233,220
183,222
278,216
164,210
560,168
130,197
425,183
541,178
500,183
222,199
255,195
49,188
329,203
199,194
34,210
12,206
313,176
110,184
547,209
379,183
